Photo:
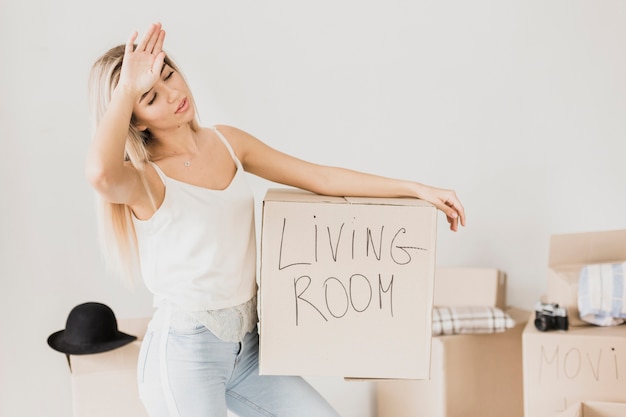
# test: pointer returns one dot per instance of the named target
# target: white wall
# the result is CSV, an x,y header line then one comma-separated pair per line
x,y
518,105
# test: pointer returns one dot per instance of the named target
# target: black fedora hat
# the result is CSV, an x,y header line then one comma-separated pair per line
x,y
90,328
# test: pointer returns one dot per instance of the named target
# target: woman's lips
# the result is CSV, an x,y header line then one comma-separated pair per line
x,y
183,106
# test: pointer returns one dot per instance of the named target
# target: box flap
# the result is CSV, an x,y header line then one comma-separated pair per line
x,y
575,410
595,409
569,253
587,248
603,409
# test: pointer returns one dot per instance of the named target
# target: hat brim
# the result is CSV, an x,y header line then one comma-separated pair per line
x,y
58,342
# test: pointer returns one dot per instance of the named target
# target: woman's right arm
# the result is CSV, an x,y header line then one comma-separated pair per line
x,y
116,180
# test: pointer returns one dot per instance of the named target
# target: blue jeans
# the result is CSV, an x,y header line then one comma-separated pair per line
x,y
191,373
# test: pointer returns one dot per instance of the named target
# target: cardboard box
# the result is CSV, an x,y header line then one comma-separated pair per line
x,y
595,409
569,253
105,384
346,286
565,367
463,286
471,375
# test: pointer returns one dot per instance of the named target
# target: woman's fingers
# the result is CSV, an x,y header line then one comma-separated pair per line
x,y
452,217
159,42
130,44
158,63
155,34
141,46
454,203
451,206
454,223
158,51
147,41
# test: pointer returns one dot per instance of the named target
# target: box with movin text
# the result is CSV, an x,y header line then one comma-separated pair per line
x,y
346,286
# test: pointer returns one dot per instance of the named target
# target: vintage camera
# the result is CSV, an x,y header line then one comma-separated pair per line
x,y
549,316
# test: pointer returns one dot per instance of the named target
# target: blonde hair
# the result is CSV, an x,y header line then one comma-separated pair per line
x,y
115,223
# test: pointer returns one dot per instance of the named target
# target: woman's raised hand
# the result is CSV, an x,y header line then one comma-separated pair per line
x,y
446,201
142,65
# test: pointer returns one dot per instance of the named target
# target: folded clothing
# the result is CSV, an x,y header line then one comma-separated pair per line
x,y
602,294
469,320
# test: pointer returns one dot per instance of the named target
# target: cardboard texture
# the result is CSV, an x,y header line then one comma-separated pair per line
x,y
471,375
346,286
569,253
105,384
565,367
595,409
459,287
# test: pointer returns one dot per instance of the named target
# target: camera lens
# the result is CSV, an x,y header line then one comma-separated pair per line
x,y
541,323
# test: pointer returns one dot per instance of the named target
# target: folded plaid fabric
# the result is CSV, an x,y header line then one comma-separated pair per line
x,y
602,294
469,320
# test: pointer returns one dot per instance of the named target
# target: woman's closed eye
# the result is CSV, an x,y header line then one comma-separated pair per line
x,y
167,77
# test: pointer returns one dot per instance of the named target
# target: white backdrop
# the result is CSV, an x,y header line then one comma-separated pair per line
x,y
518,105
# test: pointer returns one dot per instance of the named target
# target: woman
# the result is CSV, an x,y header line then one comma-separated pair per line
x,y
177,207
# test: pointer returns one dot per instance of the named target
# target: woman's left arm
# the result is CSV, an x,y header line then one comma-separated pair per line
x,y
266,162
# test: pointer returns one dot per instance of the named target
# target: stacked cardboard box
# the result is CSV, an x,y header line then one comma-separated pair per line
x,y
471,374
461,287
564,367
585,362
105,384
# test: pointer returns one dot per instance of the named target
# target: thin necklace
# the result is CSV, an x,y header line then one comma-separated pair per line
x,y
186,162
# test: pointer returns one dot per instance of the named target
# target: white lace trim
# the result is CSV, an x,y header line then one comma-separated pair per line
x,y
229,324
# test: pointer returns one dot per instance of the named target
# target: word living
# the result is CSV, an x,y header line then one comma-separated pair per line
x,y
370,246
339,290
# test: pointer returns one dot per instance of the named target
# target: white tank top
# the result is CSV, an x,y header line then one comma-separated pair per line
x,y
198,250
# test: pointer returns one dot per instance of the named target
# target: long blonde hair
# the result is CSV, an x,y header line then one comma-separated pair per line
x,y
115,223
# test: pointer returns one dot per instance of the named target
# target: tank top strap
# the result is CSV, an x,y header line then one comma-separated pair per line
x,y
158,171
227,144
